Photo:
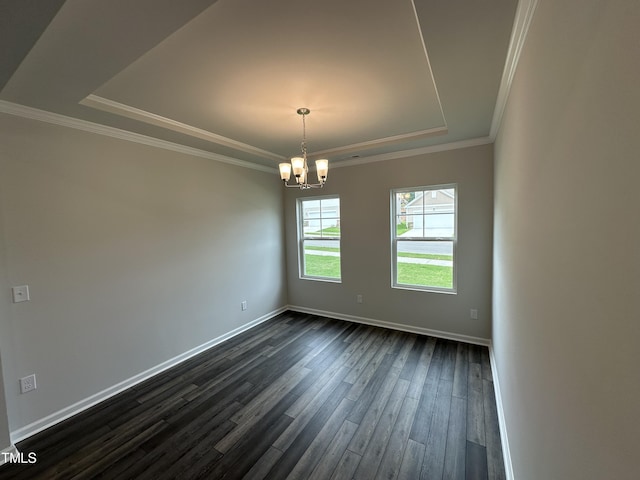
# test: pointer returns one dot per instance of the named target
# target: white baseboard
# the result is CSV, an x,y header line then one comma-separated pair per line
x,y
394,326
504,438
12,450
71,410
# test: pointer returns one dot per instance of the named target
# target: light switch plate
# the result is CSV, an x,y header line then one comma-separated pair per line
x,y
20,294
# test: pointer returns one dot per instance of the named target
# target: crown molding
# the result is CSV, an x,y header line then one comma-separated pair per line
x,y
10,108
472,142
117,108
128,111
382,141
84,125
521,23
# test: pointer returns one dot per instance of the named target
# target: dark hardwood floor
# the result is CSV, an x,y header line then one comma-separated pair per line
x,y
299,397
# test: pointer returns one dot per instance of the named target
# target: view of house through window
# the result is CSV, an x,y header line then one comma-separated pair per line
x,y
424,238
319,233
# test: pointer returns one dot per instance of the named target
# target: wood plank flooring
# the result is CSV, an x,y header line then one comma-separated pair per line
x,y
297,397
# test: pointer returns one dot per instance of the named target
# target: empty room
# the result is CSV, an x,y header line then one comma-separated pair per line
x,y
342,239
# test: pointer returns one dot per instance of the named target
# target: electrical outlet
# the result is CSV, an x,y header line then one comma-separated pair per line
x,y
20,294
28,383
474,314
358,298
243,305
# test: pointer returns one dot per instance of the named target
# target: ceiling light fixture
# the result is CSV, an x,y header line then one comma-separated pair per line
x,y
299,164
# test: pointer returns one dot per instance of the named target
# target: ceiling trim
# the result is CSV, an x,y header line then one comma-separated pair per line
x,y
23,111
524,15
472,142
65,121
382,141
128,111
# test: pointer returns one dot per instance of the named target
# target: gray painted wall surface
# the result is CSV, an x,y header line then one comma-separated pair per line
x,y
5,436
366,246
133,255
567,263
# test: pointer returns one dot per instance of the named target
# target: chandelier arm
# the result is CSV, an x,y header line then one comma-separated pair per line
x,y
304,186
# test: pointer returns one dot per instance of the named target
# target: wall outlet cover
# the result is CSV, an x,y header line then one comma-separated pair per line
x,y
28,383
20,294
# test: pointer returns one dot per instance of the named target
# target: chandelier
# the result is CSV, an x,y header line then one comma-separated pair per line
x,y
299,164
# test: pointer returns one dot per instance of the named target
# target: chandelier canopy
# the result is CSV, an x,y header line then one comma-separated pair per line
x,y
299,164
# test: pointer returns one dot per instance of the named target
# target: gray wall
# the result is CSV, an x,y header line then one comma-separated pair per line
x,y
5,434
366,264
567,233
5,437
133,254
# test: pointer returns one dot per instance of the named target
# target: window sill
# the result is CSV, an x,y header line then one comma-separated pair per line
x,y
415,288
321,279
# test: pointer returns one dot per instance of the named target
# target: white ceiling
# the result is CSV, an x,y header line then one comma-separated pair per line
x,y
227,76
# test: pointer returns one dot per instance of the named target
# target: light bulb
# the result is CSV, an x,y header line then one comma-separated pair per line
x,y
285,171
322,167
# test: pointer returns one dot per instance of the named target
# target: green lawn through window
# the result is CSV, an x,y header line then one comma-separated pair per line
x,y
408,273
425,275
322,266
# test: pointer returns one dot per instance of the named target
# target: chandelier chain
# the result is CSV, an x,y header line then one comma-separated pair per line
x,y
304,137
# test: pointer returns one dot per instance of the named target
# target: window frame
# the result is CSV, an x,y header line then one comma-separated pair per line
x,y
302,237
453,239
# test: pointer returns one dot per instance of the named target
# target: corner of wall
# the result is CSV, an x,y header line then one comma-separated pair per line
x,y
504,437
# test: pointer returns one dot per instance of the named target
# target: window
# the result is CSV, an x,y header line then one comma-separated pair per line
x,y
319,234
423,238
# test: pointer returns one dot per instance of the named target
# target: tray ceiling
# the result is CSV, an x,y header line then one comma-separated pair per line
x,y
228,76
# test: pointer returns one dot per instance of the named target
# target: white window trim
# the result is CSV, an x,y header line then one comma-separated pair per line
x,y
301,238
394,241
